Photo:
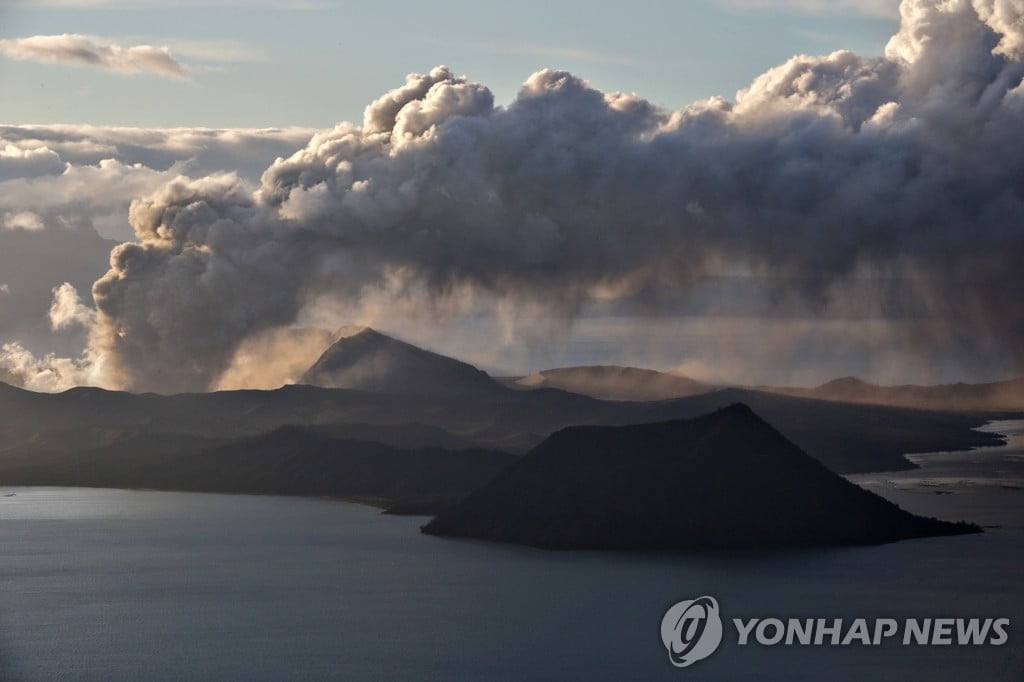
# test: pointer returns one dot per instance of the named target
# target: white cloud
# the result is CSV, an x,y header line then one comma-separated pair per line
x,y
67,309
47,373
28,161
92,173
217,51
80,50
247,150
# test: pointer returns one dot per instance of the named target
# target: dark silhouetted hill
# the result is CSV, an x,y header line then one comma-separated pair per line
x,y
289,460
874,437
724,480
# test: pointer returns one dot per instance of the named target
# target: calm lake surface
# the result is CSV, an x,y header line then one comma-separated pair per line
x,y
134,585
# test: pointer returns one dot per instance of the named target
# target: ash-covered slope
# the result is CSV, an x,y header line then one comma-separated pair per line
x,y
371,361
727,479
610,382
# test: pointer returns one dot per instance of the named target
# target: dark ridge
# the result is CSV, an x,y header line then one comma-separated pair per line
x,y
724,480
848,438
290,460
406,436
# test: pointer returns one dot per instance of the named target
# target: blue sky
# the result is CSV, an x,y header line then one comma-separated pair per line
x,y
277,63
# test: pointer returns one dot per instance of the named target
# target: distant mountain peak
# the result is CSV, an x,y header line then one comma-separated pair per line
x,y
846,382
614,382
365,359
738,409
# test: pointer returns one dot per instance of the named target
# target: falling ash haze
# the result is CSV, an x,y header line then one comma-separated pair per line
x,y
907,168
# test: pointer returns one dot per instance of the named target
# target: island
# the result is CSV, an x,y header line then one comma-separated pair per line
x,y
724,480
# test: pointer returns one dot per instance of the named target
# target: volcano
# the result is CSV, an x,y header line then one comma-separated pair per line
x,y
370,361
724,480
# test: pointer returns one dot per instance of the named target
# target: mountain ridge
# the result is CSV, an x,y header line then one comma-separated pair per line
x,y
1006,395
849,438
615,382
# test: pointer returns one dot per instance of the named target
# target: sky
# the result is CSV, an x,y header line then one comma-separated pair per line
x,y
743,191
280,63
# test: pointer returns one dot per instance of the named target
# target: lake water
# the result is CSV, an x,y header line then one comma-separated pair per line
x,y
133,585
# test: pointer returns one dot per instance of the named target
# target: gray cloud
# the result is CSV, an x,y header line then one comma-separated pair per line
x,y
24,220
18,162
66,191
902,170
32,264
93,173
80,50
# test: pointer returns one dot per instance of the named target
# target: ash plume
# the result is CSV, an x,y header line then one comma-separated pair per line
x,y
906,168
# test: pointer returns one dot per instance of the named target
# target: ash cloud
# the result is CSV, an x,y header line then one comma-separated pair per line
x,y
66,190
46,374
826,170
67,309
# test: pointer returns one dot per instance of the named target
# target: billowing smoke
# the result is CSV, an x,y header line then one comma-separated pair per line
x,y
906,170
67,309
46,374
274,358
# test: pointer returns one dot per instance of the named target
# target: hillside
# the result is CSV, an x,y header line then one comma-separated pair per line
x,y
724,480
286,461
371,361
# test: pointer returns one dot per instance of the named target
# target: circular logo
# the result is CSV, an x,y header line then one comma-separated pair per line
x,y
691,631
